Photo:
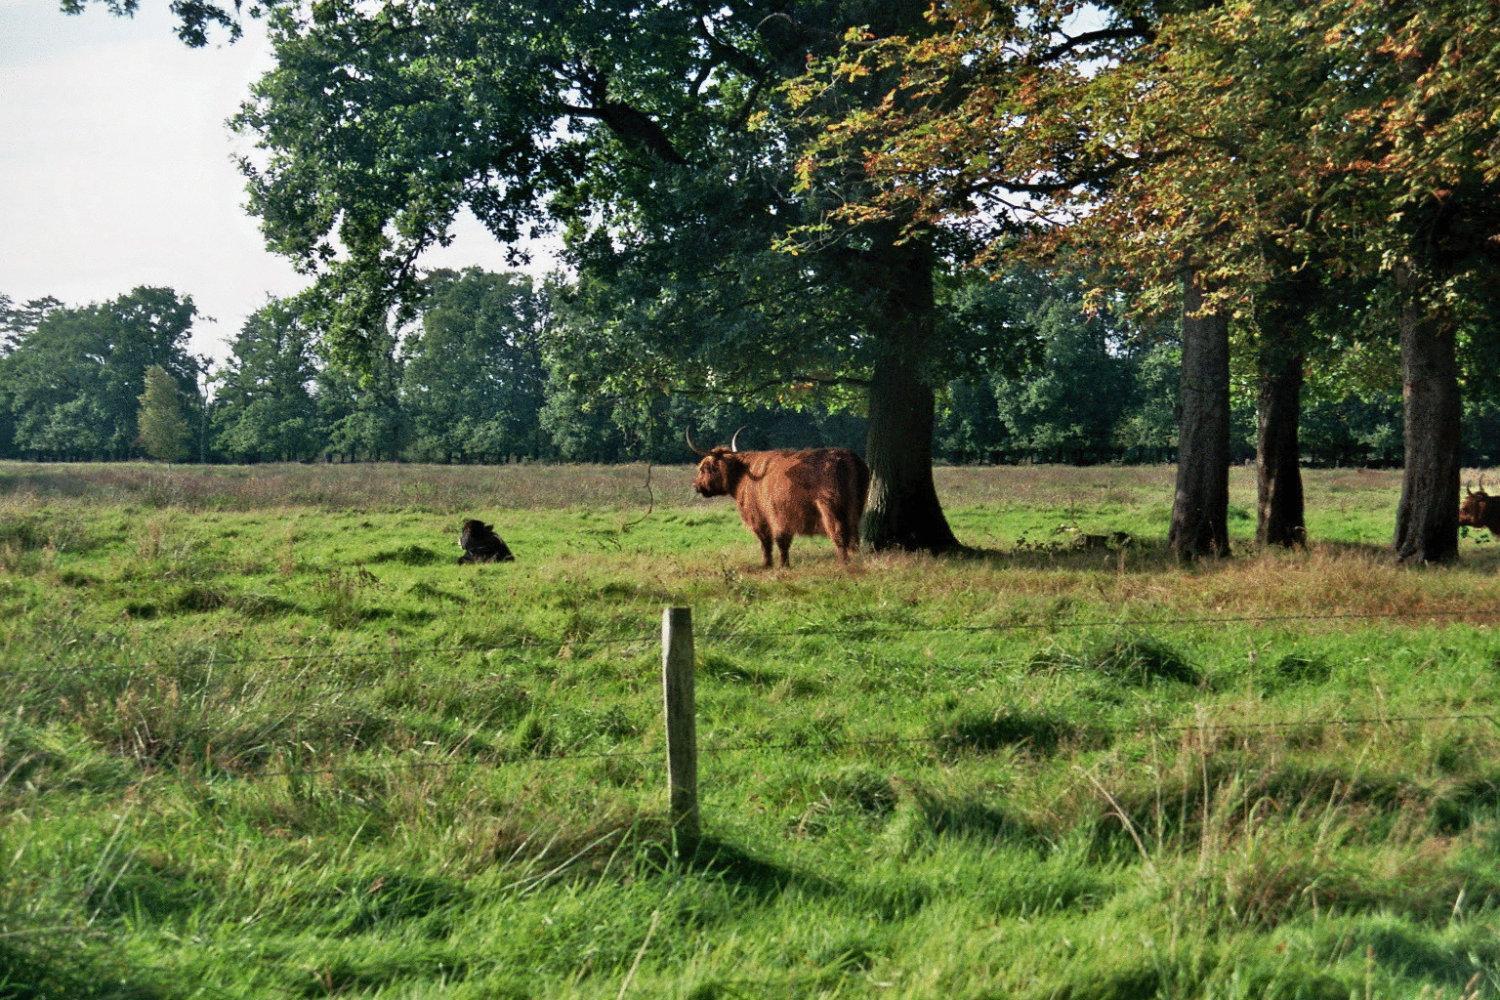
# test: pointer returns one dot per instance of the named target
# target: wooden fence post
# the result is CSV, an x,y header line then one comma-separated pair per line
x,y
682,727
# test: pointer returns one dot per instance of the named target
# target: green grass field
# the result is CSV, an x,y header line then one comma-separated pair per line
x,y
262,737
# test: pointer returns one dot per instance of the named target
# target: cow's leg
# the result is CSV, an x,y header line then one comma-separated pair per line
x,y
765,546
784,543
836,531
851,533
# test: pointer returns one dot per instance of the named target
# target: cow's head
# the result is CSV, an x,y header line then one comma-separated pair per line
x,y
719,469
1478,508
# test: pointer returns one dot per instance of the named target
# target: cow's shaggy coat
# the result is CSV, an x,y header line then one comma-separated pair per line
x,y
781,494
1480,510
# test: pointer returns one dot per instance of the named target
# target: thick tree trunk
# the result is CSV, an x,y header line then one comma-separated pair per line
x,y
1278,472
1427,518
1200,507
903,511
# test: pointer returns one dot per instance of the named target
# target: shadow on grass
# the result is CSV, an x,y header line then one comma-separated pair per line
x,y
1127,659
410,555
727,668
1033,733
1152,555
1409,952
966,817
647,839
46,967
1140,556
1470,561
755,876
763,881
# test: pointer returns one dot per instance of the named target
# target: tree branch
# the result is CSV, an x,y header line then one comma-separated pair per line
x,y
633,127
748,107
1071,43
629,124
729,53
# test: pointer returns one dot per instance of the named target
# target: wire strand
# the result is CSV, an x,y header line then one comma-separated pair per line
x,y
554,646
830,746
558,645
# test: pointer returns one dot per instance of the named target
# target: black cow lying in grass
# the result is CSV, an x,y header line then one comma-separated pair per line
x,y
482,545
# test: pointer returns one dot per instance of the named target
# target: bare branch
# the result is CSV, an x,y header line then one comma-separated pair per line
x,y
1136,29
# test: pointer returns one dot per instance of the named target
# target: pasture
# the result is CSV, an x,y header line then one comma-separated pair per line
x,y
263,737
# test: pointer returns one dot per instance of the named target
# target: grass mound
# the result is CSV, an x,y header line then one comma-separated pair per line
x,y
1295,670
1140,661
1029,732
1132,660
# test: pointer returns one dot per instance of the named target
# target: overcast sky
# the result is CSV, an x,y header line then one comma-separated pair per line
x,y
116,167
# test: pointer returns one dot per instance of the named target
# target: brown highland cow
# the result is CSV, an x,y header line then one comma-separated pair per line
x,y
780,494
1480,510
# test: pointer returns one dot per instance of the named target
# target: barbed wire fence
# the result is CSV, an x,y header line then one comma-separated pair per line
x,y
682,669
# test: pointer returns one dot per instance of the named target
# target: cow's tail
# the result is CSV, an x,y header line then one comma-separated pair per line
x,y
861,495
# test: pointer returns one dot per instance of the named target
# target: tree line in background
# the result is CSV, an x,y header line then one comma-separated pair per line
x,y
473,380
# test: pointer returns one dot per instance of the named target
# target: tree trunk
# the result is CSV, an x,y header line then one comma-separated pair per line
x,y
1278,473
1427,518
903,511
1200,508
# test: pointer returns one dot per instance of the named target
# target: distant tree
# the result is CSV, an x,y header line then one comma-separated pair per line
x,y
472,381
1353,429
17,321
77,428
264,409
1066,406
1482,432
995,317
360,410
1479,346
165,433
969,427
9,337
1147,431
73,382
578,428
584,426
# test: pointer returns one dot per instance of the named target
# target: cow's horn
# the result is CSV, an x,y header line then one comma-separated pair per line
x,y
696,450
734,441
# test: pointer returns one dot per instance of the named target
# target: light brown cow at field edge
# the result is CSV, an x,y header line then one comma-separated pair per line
x,y
820,491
